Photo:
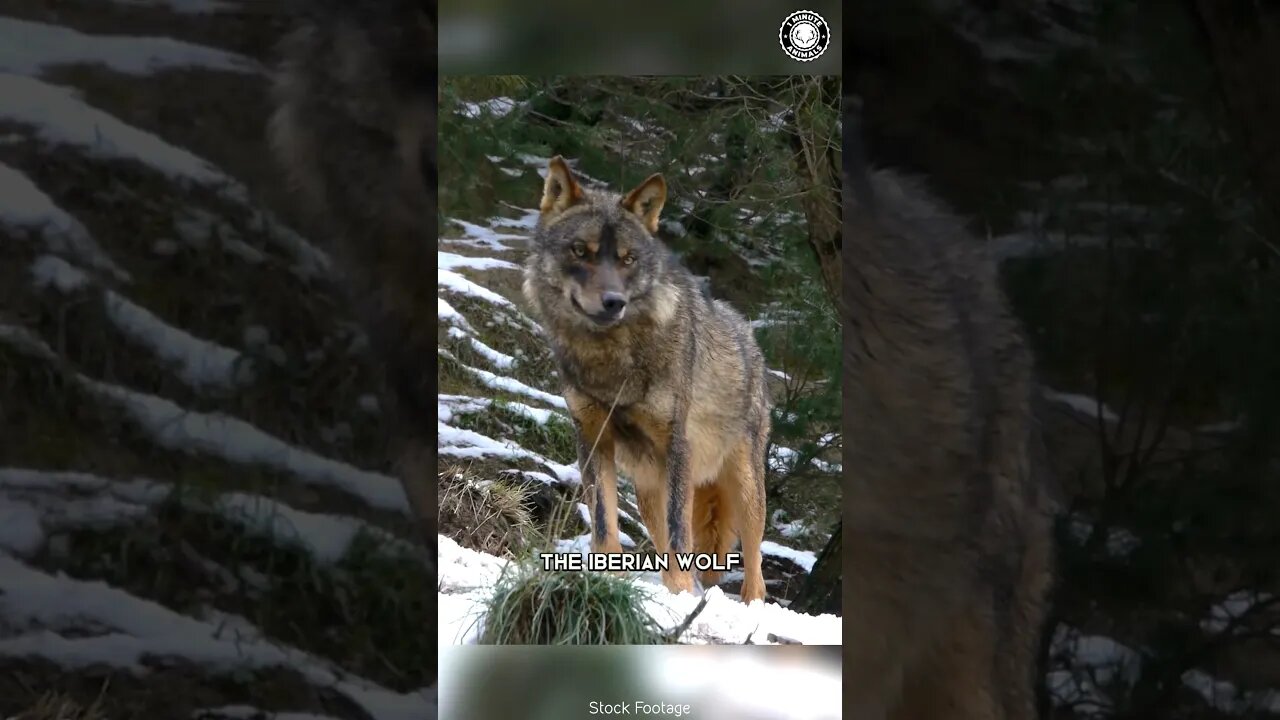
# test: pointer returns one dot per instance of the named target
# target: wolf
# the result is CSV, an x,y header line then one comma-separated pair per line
x,y
662,381
353,130
948,523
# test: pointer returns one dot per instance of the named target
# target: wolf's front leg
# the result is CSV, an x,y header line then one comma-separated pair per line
x,y
679,510
600,482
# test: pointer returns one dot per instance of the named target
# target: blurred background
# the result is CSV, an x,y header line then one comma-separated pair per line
x,y
1122,159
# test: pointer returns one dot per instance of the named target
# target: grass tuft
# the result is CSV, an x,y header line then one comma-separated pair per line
x,y
531,606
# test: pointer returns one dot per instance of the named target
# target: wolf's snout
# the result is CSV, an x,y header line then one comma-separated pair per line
x,y
613,302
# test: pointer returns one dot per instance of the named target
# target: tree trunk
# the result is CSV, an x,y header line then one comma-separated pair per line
x,y
815,139
822,589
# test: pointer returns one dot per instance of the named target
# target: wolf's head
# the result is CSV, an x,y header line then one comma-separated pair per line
x,y
595,250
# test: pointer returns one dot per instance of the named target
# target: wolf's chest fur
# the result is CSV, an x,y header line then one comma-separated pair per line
x,y
626,367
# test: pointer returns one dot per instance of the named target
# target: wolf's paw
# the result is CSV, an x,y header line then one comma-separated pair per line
x,y
680,581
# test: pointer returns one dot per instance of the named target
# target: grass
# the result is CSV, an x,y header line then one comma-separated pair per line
x,y
59,706
498,329
368,608
555,439
486,513
530,606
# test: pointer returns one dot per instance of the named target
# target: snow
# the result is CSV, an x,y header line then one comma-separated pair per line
x,y
446,312
1082,404
326,537
28,48
200,363
50,271
528,220
104,625
496,107
500,360
803,558
784,459
481,237
458,442
142,629
20,530
1233,608
464,569
1120,543
511,385
452,261
447,405
1225,697
467,575
238,441
24,205
453,281
1096,660
60,117
582,543
50,500
34,504
726,620
792,529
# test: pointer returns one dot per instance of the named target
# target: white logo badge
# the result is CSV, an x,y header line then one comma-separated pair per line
x,y
804,35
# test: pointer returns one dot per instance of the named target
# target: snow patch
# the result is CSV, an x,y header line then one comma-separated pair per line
x,y
453,281
28,48
24,205
507,384
60,117
452,261
200,363
142,628
1082,404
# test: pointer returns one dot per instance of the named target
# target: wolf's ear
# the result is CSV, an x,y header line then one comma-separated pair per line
x,y
561,191
646,201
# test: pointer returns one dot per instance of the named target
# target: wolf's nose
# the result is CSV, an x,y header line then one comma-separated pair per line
x,y
613,302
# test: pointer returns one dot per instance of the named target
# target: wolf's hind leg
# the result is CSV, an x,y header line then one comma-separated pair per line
x,y
742,482
713,527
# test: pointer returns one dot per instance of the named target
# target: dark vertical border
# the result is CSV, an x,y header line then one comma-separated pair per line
x,y
431,170
853,181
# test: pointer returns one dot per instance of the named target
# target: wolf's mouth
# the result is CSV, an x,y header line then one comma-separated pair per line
x,y
603,319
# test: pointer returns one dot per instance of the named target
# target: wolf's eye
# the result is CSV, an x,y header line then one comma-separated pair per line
x,y
579,250
628,259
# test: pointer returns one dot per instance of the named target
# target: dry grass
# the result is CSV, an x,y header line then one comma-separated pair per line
x,y
58,706
486,514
